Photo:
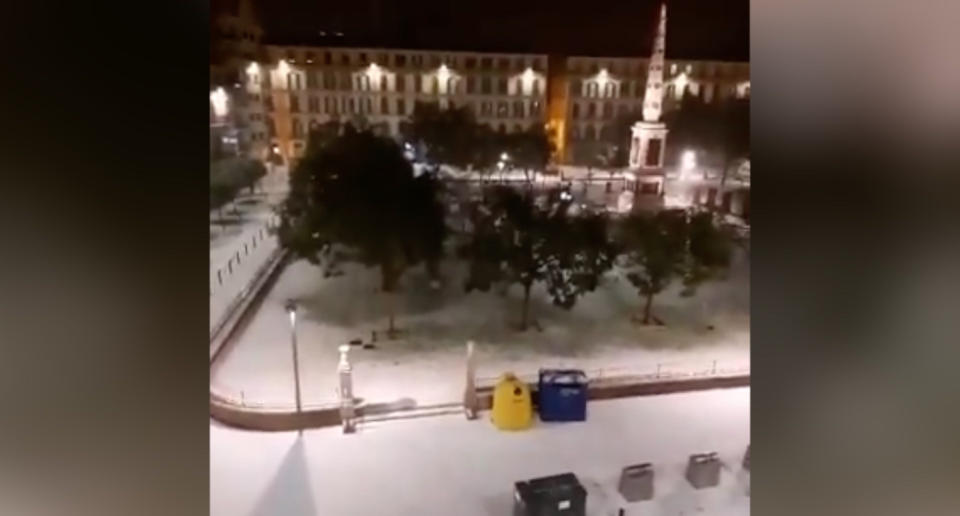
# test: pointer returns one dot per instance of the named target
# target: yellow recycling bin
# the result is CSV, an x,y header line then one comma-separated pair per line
x,y
512,407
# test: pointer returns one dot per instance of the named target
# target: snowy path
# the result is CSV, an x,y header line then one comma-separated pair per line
x,y
446,465
237,251
428,366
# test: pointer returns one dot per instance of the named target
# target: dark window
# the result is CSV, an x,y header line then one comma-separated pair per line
x,y
294,104
519,63
382,58
589,133
503,63
607,110
502,85
470,63
485,85
327,58
401,107
653,152
502,110
486,63
383,83
326,105
363,58
469,85
384,107
535,108
518,109
353,106
400,60
399,82
591,110
345,59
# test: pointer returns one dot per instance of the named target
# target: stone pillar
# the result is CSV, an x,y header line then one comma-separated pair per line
x,y
470,389
345,371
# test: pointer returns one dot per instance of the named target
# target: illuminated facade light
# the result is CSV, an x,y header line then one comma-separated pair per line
x,y
688,161
443,73
681,82
219,99
283,67
253,69
603,78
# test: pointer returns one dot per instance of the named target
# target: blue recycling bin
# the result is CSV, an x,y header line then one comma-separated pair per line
x,y
562,395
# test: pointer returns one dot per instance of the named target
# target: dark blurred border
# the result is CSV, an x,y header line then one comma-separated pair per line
x,y
856,257
103,366
103,330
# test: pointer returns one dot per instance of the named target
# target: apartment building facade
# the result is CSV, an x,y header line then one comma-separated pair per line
x,y
277,93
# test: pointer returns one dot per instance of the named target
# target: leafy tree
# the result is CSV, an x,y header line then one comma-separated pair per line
x,y
227,178
530,149
253,171
359,192
448,136
668,245
516,240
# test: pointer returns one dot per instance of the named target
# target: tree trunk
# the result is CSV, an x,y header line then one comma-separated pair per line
x,y
646,309
525,312
388,284
391,308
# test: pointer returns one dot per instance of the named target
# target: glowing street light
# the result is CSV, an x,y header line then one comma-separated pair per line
x,y
219,99
504,156
291,307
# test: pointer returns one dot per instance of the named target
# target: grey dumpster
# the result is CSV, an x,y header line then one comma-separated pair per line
x,y
703,470
636,482
558,495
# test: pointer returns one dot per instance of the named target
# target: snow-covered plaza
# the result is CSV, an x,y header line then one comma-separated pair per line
x,y
446,465
707,332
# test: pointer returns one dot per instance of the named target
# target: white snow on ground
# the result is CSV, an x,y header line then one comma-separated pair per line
x,y
446,465
428,365
240,248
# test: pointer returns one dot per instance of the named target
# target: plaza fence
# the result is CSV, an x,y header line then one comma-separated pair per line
x,y
641,373
607,376
220,275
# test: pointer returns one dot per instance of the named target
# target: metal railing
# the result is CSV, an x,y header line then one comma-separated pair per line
x,y
642,373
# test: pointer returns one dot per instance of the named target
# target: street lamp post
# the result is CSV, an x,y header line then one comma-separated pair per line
x,y
291,307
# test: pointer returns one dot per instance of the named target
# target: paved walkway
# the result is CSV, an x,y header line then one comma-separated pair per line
x,y
433,465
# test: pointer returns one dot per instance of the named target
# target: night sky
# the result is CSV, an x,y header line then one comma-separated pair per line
x,y
703,29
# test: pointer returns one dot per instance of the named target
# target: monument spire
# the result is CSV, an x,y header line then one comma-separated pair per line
x,y
653,96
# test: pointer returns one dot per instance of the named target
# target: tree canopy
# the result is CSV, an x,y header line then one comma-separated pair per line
x,y
670,244
358,191
517,240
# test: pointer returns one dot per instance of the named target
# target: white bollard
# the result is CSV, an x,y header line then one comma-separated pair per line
x,y
470,389
345,371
